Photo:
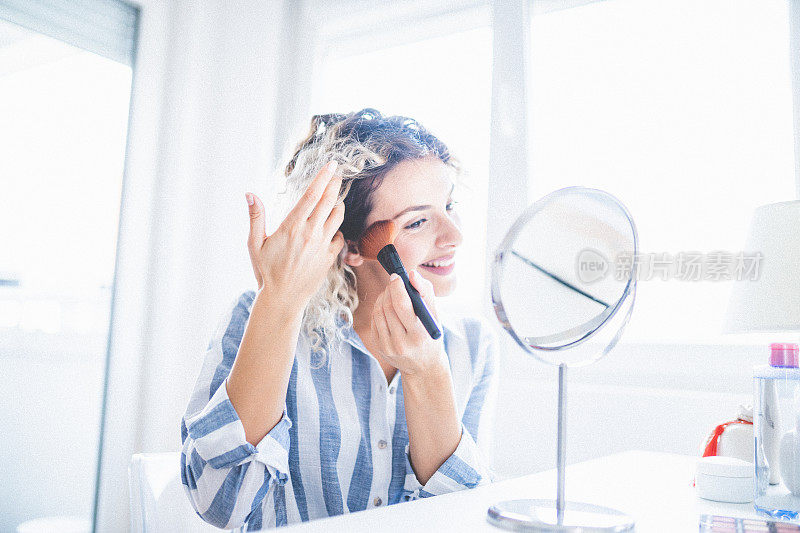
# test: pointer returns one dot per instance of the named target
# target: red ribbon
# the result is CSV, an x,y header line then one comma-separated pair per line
x,y
713,439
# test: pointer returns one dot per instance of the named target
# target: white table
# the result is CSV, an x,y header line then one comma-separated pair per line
x,y
655,488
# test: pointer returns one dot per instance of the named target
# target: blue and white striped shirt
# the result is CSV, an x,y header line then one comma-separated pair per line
x,y
342,443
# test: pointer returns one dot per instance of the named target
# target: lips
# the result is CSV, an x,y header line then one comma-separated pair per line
x,y
442,271
443,261
440,266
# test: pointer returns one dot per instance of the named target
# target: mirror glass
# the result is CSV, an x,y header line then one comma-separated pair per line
x,y
563,279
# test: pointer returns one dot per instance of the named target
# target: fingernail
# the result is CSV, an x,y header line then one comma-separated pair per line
x,y
332,165
393,277
249,197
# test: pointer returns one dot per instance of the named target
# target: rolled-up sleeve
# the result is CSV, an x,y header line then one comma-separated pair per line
x,y
218,436
226,477
470,464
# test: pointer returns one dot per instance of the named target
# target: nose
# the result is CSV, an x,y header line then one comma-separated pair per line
x,y
450,235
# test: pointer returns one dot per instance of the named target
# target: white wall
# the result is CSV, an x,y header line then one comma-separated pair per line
x,y
647,397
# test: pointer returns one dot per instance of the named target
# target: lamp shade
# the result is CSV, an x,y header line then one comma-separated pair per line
x,y
770,301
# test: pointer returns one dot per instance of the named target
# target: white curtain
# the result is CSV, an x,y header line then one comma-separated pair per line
x,y
208,109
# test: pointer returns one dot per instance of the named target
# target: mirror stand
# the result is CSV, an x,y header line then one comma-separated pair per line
x,y
558,515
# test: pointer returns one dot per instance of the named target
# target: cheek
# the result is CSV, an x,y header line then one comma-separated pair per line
x,y
413,251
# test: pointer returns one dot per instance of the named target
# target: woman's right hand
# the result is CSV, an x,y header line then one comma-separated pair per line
x,y
295,259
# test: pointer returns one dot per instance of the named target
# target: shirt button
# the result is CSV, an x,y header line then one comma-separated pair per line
x,y
377,502
381,444
391,390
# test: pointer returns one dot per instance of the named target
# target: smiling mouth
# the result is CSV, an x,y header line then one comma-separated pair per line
x,y
440,263
441,268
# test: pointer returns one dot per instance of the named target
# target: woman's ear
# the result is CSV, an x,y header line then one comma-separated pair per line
x,y
352,257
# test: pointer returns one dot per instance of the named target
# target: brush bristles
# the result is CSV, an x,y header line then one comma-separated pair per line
x,y
376,237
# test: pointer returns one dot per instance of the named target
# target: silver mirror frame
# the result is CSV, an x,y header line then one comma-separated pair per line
x,y
591,327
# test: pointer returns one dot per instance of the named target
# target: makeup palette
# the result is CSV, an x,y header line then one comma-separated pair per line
x,y
729,524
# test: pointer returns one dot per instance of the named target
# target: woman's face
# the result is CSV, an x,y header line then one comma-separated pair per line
x,y
417,196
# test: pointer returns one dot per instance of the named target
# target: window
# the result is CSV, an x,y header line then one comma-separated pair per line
x,y
63,133
681,109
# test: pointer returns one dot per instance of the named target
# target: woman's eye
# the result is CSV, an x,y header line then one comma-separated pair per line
x,y
416,224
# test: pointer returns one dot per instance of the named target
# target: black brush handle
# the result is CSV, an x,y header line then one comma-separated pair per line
x,y
390,261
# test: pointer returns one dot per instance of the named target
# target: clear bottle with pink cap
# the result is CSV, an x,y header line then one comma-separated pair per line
x,y
776,426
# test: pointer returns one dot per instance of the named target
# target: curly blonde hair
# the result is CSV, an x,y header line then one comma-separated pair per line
x,y
367,145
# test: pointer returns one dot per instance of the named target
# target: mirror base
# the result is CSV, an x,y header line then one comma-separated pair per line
x,y
540,515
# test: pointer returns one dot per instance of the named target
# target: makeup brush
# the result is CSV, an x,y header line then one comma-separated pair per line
x,y
377,243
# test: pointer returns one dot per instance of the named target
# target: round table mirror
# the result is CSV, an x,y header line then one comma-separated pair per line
x,y
563,287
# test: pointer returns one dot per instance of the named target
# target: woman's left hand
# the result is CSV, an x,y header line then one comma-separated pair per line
x,y
402,340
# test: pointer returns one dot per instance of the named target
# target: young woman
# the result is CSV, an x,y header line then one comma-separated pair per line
x,y
322,393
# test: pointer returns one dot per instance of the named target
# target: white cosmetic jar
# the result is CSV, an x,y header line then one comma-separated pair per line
x,y
725,479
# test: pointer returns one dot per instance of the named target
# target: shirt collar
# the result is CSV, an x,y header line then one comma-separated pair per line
x,y
352,338
350,335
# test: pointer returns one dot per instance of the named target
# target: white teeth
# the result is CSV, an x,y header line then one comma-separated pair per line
x,y
437,264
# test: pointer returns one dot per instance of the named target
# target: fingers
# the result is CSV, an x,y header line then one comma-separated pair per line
x,y
306,204
337,243
425,289
323,209
334,221
424,286
257,222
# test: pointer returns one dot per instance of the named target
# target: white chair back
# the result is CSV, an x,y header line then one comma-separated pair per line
x,y
159,503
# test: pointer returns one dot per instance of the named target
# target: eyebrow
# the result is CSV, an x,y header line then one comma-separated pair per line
x,y
419,207
412,208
